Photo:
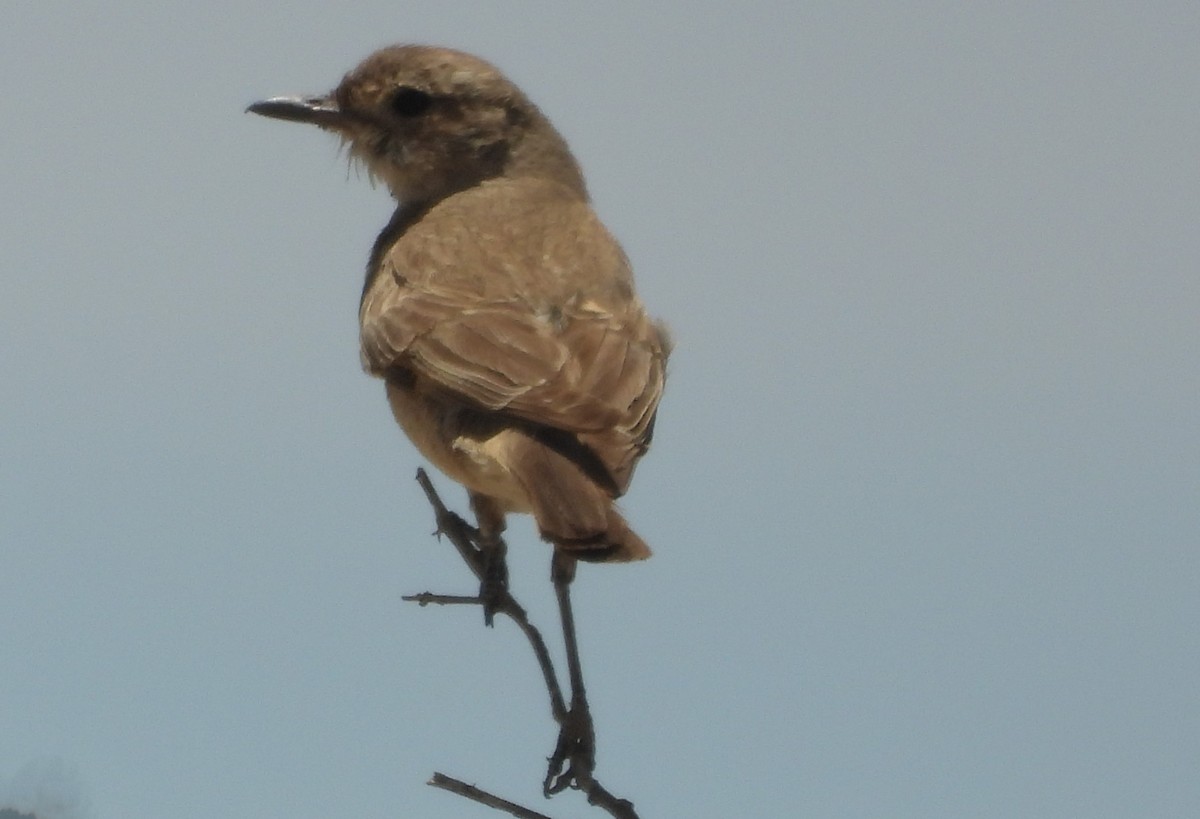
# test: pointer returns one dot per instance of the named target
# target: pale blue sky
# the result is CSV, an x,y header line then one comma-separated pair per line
x,y
925,495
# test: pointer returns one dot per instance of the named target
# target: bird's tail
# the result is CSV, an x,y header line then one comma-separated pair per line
x,y
572,511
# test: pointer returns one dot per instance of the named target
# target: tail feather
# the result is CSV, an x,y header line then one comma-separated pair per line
x,y
571,510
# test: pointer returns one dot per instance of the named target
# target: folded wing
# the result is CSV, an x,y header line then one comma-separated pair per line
x,y
581,369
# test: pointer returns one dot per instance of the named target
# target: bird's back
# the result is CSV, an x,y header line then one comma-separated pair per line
x,y
513,295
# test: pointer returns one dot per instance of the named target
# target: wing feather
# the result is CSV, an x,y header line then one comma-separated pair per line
x,y
512,338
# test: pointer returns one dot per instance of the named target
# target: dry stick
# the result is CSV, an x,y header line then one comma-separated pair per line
x,y
453,527
449,783
459,533
425,598
576,738
517,614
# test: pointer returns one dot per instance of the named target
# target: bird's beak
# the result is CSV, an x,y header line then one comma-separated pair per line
x,y
322,111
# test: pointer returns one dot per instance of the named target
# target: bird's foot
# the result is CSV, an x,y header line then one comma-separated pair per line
x,y
574,758
493,577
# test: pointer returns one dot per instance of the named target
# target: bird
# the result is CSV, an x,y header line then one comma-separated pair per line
x,y
497,308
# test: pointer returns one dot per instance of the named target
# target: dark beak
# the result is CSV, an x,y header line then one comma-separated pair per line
x,y
322,111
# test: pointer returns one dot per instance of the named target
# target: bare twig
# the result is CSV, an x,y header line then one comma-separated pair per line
x,y
425,598
449,783
460,533
572,765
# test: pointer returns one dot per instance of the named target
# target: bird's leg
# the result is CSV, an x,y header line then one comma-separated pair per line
x,y
574,757
493,576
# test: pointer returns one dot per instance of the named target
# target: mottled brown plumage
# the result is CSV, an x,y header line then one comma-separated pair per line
x,y
497,308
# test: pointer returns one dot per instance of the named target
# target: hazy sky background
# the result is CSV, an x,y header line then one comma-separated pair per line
x,y
925,495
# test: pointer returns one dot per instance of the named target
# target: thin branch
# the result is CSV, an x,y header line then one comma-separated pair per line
x,y
425,598
449,783
460,533
558,707
573,762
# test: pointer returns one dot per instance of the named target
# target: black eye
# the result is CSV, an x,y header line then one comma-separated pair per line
x,y
410,102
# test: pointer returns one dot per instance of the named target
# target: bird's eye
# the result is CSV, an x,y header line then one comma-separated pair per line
x,y
410,102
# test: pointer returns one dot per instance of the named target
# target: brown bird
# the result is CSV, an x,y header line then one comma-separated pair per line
x,y
498,310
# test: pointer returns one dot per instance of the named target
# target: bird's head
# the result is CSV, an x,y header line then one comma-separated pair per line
x,y
429,122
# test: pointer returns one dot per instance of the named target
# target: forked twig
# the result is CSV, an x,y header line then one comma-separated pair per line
x,y
573,762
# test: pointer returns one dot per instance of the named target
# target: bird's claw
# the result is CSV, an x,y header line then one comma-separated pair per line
x,y
493,578
574,758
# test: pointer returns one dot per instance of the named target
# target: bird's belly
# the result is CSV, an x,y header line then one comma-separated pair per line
x,y
460,442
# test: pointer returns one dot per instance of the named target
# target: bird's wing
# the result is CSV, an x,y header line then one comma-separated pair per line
x,y
573,363
588,373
